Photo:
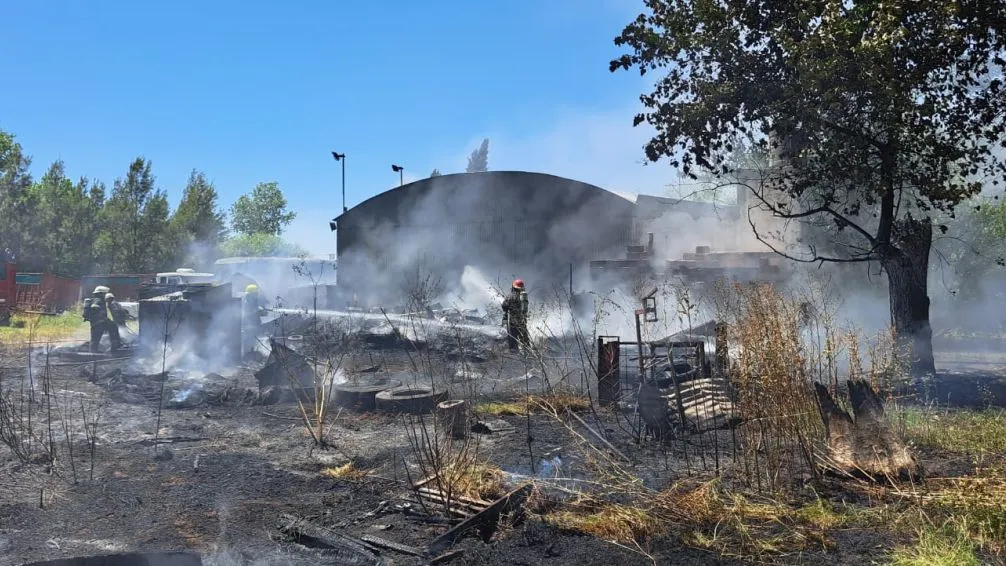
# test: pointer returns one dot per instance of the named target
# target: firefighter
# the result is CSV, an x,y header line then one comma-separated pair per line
x,y
96,313
119,313
253,311
119,316
515,308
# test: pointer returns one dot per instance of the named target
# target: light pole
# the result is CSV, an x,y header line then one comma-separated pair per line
x,y
341,157
401,176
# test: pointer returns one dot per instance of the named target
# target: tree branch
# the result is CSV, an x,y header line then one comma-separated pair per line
x,y
821,260
811,212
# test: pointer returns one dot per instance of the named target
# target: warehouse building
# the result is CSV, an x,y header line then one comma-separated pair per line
x,y
506,224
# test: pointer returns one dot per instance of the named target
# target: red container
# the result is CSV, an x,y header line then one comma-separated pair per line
x,y
46,292
8,290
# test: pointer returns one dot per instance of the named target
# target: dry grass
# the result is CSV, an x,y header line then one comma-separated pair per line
x,y
502,408
608,521
560,402
748,525
772,375
475,480
703,515
347,471
550,403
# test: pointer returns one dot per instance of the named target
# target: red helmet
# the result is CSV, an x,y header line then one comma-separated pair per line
x,y
518,283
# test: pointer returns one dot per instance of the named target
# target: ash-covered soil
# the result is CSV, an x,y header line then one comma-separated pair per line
x,y
226,474
230,467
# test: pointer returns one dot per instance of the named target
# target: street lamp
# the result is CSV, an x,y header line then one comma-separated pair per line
x,y
401,176
341,157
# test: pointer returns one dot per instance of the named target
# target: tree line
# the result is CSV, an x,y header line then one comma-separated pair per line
x,y
79,227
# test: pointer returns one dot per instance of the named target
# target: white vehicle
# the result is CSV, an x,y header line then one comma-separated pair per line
x,y
183,276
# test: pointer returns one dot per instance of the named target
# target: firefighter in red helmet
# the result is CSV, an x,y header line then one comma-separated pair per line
x,y
515,308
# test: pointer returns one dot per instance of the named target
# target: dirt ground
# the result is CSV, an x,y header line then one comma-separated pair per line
x,y
229,469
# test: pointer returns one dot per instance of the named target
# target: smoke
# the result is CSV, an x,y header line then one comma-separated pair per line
x,y
199,256
474,291
435,232
602,148
289,281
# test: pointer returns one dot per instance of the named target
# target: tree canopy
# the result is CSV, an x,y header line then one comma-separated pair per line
x,y
877,116
478,161
198,216
260,245
891,106
261,212
76,227
137,236
15,182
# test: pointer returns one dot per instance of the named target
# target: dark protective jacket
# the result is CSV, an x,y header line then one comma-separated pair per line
x,y
95,312
515,308
119,313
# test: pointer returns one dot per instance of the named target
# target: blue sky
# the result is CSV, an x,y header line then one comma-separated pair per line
x,y
262,91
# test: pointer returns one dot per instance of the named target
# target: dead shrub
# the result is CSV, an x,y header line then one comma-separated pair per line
x,y
772,376
476,480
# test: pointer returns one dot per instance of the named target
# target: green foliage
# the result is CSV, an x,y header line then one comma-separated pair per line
x,y
876,108
261,212
44,328
478,161
15,201
977,247
260,245
137,236
75,228
435,173
198,222
943,545
63,231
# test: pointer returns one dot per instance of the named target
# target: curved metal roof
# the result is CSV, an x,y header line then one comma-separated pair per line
x,y
542,192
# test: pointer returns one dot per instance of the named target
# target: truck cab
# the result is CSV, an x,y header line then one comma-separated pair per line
x,y
178,280
183,276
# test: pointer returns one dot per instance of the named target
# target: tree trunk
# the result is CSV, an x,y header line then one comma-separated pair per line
x,y
907,268
453,416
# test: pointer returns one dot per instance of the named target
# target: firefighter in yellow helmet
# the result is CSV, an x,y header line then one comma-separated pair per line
x,y
96,313
253,310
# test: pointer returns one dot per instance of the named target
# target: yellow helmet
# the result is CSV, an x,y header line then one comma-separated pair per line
x,y
251,288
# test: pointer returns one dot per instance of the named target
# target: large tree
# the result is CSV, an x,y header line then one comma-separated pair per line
x,y
137,236
15,200
881,115
63,229
201,226
261,212
478,161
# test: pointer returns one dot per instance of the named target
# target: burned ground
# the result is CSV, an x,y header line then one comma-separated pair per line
x,y
230,464
233,470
